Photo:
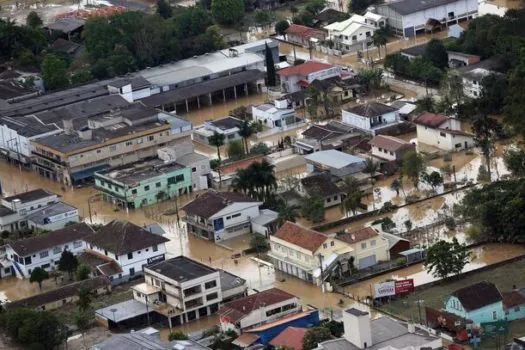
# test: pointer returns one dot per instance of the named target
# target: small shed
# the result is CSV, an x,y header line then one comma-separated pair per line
x,y
414,254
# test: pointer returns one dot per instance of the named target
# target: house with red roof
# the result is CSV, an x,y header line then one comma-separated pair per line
x,y
303,35
442,132
290,338
299,77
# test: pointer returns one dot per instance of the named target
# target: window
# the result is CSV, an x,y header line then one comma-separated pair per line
x,y
134,191
325,245
335,198
193,169
151,138
130,255
442,134
494,315
210,284
157,184
363,245
138,294
132,271
146,188
212,296
236,215
288,307
179,178
7,271
380,149
77,244
328,200
368,34
113,148
332,243
155,248
231,136
44,254
129,143
373,243
354,37
45,266
57,250
98,151
106,252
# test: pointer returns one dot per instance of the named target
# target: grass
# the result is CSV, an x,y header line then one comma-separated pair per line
x,y
504,277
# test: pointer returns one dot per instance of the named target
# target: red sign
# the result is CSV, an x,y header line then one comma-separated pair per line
x,y
404,286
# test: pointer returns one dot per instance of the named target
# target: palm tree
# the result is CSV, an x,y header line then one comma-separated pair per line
x,y
379,39
353,196
371,168
287,213
396,185
217,140
245,131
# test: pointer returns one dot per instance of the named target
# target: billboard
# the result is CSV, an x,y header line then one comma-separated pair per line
x,y
390,288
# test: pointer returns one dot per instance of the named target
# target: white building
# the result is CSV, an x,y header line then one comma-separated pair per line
x,y
355,32
16,135
228,126
371,117
368,247
257,309
390,148
45,250
297,77
473,75
120,250
181,289
380,333
222,215
53,217
131,89
408,17
442,132
277,116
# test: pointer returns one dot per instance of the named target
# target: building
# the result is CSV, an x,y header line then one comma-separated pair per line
x,y
514,304
479,302
298,251
442,132
53,217
414,51
390,148
12,90
276,115
368,247
290,338
460,59
473,75
104,141
228,126
410,17
229,169
321,186
303,35
257,309
295,78
181,289
232,287
66,26
334,135
335,162
44,251
380,333
456,30
129,247
221,215
60,296
131,89
371,117
356,32
143,183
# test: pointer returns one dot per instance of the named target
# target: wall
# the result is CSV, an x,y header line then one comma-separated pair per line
x,y
15,143
356,120
442,140
383,153
380,250
460,8
259,316
247,211
56,225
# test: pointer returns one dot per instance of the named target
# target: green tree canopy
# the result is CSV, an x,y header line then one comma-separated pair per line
x,y
164,9
177,336
227,12
314,336
83,272
235,150
281,26
313,209
436,53
413,165
38,275
33,20
446,258
68,262
54,72
434,179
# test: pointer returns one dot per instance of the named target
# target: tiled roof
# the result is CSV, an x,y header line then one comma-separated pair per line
x,y
358,236
301,236
304,31
211,202
478,295
513,299
322,132
390,143
233,167
371,109
238,309
432,120
320,185
304,69
29,196
290,338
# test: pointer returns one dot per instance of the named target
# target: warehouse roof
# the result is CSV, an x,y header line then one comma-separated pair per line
x,y
406,7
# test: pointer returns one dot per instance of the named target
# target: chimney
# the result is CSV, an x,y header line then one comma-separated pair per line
x,y
357,328
68,126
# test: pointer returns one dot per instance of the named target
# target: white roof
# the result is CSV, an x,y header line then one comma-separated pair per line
x,y
373,16
334,159
342,26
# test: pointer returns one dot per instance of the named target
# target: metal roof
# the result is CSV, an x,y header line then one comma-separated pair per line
x,y
406,7
334,159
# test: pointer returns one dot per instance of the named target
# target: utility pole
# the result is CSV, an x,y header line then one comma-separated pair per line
x,y
320,256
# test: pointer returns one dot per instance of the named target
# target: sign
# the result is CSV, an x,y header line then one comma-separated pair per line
x,y
495,328
61,217
390,288
155,259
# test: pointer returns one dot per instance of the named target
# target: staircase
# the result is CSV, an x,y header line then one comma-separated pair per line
x,y
18,270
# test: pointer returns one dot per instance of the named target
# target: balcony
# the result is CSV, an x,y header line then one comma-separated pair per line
x,y
196,222
192,291
193,304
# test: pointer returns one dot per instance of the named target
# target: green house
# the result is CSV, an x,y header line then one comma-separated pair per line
x,y
143,183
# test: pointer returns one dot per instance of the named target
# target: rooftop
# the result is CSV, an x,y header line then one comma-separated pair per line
x,y
230,281
371,109
329,16
28,126
390,143
431,120
226,123
211,202
513,298
52,239
238,309
304,31
122,237
123,311
290,338
301,236
66,25
415,51
304,69
320,185
478,295
191,158
326,132
182,269
42,216
334,159
30,196
406,7
132,174
12,89
5,211
358,236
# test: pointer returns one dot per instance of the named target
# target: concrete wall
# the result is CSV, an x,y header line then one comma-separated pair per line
x,y
443,140
259,316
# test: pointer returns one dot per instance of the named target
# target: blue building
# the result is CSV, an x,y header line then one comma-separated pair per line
x,y
480,302
514,304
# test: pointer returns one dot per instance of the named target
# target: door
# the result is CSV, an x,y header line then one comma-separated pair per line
x,y
367,261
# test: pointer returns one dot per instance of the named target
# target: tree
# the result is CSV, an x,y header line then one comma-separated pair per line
x,y
54,72
84,299
437,54
235,150
287,213
434,179
493,93
227,12
452,87
359,6
314,336
245,131
315,6
396,185
217,140
412,166
84,319
258,180
312,106
353,195
262,18
260,148
270,67
370,78
425,104
177,336
38,275
446,258
486,131
313,209
515,162
281,27
259,243
82,77
164,9
336,328
68,263
370,168
379,40
33,20
83,272
408,225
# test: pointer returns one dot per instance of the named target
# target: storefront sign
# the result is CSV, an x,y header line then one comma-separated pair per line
x,y
390,288
155,259
62,216
404,286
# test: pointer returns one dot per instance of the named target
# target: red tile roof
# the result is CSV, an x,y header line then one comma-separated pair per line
x,y
301,236
236,310
233,167
304,69
290,338
389,142
358,236
513,299
304,31
432,120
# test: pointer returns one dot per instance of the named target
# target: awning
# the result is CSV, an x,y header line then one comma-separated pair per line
x,y
84,174
412,251
245,340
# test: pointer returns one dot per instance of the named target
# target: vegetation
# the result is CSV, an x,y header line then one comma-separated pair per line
x,y
258,180
421,69
260,148
84,299
227,12
33,20
287,213
353,196
270,67
68,263
434,179
313,209
486,131
235,150
246,129
515,162
83,272
259,243
314,336
446,258
177,336
217,140
281,26
413,165
38,275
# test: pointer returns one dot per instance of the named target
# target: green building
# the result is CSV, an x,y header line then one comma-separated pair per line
x,y
143,183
